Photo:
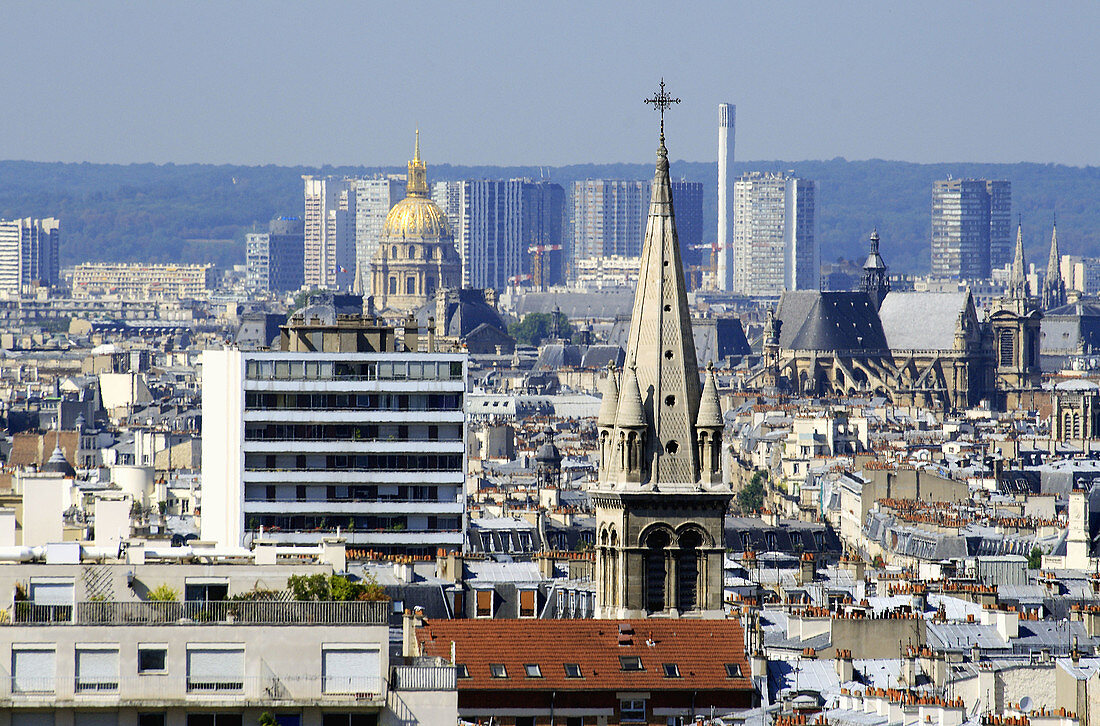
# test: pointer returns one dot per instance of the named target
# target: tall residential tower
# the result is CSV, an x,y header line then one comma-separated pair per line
x,y
773,235
971,227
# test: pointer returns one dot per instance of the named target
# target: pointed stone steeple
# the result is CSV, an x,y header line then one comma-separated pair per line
x,y
875,281
660,348
1054,287
1017,286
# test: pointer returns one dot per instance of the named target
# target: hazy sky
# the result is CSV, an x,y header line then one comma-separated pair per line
x,y
547,83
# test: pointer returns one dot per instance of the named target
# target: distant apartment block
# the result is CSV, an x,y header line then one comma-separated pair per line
x,y
329,221
326,438
595,273
496,223
142,282
609,217
29,254
971,227
373,200
274,260
774,246
1081,274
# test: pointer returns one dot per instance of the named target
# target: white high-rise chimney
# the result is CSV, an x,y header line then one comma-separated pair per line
x,y
727,114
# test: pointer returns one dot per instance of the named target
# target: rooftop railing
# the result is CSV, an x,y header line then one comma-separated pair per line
x,y
259,612
162,687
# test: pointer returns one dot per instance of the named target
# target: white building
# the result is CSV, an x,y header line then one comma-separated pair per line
x,y
727,117
773,235
329,232
29,253
373,200
308,445
136,281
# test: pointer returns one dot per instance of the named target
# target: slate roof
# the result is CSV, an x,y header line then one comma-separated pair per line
x,y
700,648
814,320
921,320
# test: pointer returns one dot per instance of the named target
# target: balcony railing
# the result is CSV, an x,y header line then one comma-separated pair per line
x,y
423,678
196,689
261,612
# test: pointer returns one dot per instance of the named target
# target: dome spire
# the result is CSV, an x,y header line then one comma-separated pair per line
x,y
418,173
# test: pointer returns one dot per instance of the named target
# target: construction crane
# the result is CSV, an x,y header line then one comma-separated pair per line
x,y
713,247
540,274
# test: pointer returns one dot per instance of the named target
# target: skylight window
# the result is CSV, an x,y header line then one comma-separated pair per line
x,y
497,670
533,670
672,670
630,662
733,670
461,671
573,670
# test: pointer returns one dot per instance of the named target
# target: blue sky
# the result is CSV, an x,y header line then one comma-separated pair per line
x,y
549,83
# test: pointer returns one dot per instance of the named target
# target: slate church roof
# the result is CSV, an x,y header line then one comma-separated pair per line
x,y
814,320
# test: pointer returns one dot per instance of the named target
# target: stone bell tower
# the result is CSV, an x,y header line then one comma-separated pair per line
x,y
660,498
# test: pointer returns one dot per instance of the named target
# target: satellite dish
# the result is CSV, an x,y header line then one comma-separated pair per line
x,y
1025,704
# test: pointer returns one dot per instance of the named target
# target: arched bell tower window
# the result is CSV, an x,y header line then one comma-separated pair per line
x,y
1006,348
687,585
655,571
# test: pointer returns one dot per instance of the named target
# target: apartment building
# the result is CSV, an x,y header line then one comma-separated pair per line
x,y
29,251
971,227
774,248
374,198
338,433
142,282
273,260
87,645
329,228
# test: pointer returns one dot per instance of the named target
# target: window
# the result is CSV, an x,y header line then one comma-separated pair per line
x,y
461,671
95,718
672,670
51,600
573,670
32,718
525,721
33,669
632,711
733,670
532,670
497,670
630,662
351,669
151,719
97,669
349,719
213,719
214,668
152,658
527,603
485,603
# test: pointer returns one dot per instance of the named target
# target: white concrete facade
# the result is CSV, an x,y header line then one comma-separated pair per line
x,y
307,445
727,116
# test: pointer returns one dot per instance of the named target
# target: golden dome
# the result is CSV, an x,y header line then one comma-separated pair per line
x,y
417,217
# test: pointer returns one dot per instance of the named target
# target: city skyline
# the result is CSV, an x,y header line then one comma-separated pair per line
x,y
218,84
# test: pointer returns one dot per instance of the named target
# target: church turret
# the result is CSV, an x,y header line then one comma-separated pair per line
x,y
606,420
1054,287
875,281
630,431
708,432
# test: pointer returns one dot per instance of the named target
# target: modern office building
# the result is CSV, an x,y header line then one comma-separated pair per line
x,y
273,260
329,221
496,223
971,227
29,253
374,198
773,235
337,433
134,281
609,217
727,116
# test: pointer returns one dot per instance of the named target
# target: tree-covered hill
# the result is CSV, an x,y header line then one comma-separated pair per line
x,y
196,212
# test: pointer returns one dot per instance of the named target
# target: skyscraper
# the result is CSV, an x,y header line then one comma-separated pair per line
x,y
374,198
29,253
609,217
971,227
727,114
774,248
329,218
497,222
273,260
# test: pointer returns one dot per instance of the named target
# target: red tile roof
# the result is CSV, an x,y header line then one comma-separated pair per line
x,y
699,648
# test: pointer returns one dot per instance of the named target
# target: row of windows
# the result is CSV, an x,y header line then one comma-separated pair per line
x,y
325,523
103,717
256,401
368,493
360,462
350,432
627,663
352,370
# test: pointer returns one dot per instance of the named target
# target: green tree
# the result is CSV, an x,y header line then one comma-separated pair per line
x,y
751,496
1035,559
266,719
309,587
163,593
537,327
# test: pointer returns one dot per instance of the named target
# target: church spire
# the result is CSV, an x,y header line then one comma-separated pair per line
x,y
660,349
875,281
1054,287
418,173
1018,288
